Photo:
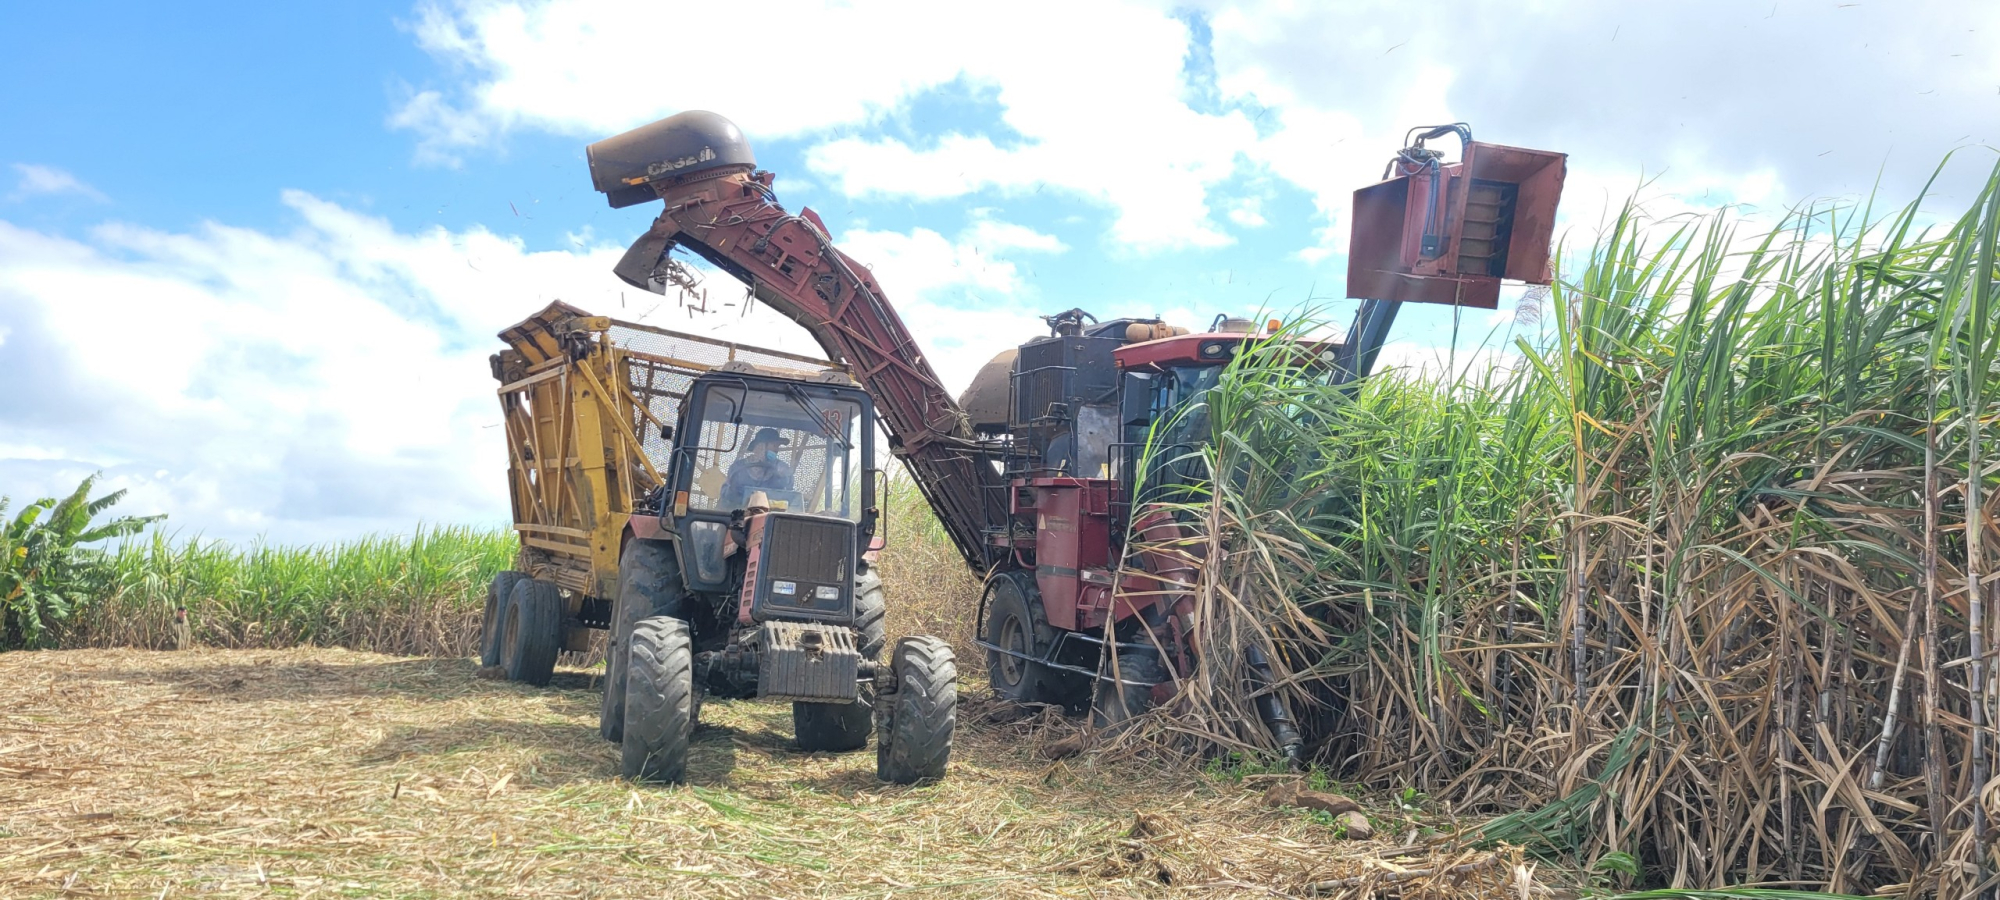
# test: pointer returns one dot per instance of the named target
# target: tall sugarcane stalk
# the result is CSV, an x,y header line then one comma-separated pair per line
x,y
1732,419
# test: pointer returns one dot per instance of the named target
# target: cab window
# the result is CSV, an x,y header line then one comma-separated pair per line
x,y
801,448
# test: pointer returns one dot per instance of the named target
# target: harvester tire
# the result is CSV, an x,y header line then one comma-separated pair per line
x,y
660,701
1114,704
834,727
1015,621
871,624
498,592
915,720
649,584
533,633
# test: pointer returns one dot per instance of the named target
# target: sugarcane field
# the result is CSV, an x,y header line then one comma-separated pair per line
x,y
597,449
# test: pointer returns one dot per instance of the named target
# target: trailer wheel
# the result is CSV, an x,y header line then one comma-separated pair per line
x,y
834,727
649,584
1015,621
660,701
915,720
498,592
1113,704
533,633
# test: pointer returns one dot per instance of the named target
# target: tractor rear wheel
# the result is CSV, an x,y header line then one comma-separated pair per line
x,y
660,701
493,623
1115,703
915,720
840,727
1016,624
871,625
533,632
649,584
834,727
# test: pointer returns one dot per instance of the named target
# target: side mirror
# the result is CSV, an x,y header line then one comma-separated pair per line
x,y
875,518
667,433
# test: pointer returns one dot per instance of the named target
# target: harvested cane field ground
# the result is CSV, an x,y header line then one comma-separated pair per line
x,y
331,773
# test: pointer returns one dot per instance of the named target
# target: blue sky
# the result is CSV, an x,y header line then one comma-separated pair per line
x,y
252,256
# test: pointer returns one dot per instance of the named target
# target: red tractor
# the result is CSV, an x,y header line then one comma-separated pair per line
x,y
1031,474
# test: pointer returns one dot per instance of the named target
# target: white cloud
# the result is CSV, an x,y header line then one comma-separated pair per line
x,y
307,385
1248,211
34,180
961,298
332,380
1103,119
1114,102
1732,118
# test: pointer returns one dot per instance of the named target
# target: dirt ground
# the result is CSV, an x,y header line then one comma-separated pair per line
x,y
327,773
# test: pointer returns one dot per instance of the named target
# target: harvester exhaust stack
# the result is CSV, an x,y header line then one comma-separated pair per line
x,y
1437,233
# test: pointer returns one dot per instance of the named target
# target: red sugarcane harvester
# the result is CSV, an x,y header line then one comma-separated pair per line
x,y
1031,472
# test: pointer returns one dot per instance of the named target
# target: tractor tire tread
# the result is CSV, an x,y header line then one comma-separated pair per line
x,y
649,573
871,623
834,727
916,728
660,701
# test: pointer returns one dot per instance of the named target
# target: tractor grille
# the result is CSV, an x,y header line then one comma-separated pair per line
x,y
808,550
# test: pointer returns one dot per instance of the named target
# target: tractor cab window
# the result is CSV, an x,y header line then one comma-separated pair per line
x,y
800,446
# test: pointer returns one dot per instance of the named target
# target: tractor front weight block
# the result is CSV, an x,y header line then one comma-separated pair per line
x,y
807,661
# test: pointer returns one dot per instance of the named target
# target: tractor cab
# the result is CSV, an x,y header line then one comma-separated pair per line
x,y
766,459
751,579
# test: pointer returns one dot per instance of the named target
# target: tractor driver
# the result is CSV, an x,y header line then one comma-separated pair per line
x,y
758,469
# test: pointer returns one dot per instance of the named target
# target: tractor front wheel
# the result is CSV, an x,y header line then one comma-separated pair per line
x,y
660,701
649,584
915,720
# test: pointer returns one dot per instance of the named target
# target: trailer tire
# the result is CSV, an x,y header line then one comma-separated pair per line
x,y
660,701
1015,621
533,634
834,727
915,720
871,624
498,592
649,584
1114,704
